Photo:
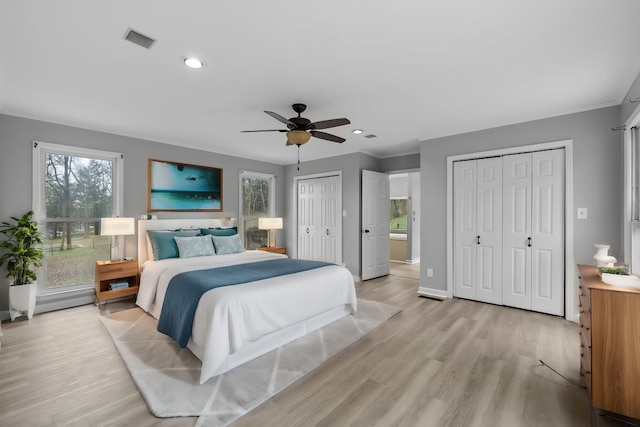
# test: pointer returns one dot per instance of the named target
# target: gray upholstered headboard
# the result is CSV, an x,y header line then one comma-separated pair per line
x,y
173,224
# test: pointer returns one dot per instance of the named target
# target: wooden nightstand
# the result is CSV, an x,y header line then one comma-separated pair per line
x,y
115,271
275,249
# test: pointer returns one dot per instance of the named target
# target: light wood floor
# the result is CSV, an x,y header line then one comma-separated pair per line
x,y
438,363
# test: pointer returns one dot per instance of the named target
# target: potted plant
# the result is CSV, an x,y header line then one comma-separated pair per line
x,y
21,254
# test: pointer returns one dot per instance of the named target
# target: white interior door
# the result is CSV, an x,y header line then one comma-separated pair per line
x,y
478,229
464,230
375,224
307,225
330,220
534,231
489,227
517,230
547,223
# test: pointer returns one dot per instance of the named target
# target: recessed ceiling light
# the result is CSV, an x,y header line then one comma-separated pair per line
x,y
193,62
357,131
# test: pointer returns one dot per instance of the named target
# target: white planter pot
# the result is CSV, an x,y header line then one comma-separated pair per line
x,y
22,300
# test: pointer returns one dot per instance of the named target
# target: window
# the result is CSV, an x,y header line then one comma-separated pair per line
x,y
257,199
73,189
398,215
632,197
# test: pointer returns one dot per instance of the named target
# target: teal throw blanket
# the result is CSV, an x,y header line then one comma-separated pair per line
x,y
185,289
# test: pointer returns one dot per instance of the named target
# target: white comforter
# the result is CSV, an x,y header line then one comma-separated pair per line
x,y
230,316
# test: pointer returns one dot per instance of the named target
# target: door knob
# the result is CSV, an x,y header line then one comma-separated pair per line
x,y
307,230
365,231
529,241
327,231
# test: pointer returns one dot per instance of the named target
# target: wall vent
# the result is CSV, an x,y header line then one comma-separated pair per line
x,y
371,136
137,38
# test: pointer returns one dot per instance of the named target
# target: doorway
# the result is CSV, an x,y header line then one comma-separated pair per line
x,y
404,227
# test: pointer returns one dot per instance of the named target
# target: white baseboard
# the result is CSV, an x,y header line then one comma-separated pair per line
x,y
432,293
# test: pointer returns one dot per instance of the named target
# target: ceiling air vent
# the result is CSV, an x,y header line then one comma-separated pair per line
x,y
371,136
140,39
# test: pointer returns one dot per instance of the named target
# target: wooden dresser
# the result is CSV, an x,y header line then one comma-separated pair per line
x,y
610,343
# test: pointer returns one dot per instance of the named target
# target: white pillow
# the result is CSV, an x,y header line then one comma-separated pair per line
x,y
189,247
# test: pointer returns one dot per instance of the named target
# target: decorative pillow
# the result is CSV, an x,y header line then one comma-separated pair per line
x,y
227,244
220,231
163,245
189,247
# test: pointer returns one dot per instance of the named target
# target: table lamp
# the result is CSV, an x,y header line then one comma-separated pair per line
x,y
270,224
116,227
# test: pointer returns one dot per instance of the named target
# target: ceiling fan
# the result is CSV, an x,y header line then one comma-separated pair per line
x,y
300,130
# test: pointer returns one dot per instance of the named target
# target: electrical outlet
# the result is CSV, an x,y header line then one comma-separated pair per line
x,y
429,272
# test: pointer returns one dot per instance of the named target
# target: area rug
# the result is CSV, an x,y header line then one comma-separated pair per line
x,y
168,377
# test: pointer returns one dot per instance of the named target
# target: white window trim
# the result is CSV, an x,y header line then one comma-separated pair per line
x,y
272,202
38,192
631,230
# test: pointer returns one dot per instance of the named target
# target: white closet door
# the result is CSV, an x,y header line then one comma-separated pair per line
x,y
307,219
517,230
465,233
478,230
329,221
534,231
547,234
489,227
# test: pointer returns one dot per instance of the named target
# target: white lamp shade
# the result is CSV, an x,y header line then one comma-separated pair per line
x,y
270,223
117,226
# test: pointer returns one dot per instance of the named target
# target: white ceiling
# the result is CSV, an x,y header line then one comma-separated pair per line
x,y
404,70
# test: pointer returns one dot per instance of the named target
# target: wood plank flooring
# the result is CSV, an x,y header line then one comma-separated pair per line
x,y
438,363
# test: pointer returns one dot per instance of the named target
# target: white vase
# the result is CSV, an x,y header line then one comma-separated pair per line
x,y
602,256
22,300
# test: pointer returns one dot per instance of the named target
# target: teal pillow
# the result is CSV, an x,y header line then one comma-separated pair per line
x,y
189,247
227,244
220,231
163,244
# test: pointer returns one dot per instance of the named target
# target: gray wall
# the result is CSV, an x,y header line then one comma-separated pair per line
x,y
400,163
597,180
627,108
351,166
17,134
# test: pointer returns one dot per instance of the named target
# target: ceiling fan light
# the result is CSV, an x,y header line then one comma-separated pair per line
x,y
298,137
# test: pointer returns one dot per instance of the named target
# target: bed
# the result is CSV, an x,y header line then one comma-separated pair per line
x,y
234,324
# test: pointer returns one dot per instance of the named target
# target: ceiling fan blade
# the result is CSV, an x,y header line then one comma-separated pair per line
x,y
266,130
327,136
279,118
325,124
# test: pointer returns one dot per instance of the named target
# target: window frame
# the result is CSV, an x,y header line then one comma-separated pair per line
x,y
40,149
272,198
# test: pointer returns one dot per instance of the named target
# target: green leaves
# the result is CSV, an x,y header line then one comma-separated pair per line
x,y
21,251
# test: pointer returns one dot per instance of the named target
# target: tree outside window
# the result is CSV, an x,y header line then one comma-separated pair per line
x,y
73,189
398,215
256,196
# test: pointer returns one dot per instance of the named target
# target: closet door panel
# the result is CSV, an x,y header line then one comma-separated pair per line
x,y
328,221
516,216
465,233
548,232
489,226
306,220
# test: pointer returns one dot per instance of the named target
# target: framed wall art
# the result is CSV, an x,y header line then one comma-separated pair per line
x,y
183,187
